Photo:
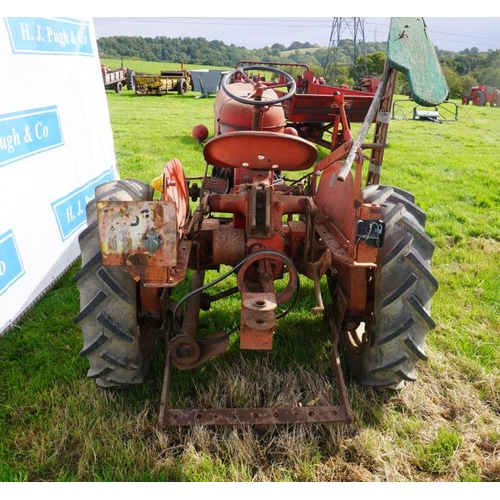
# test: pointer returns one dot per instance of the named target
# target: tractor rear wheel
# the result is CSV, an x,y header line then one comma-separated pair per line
x,y
383,351
130,79
480,98
118,349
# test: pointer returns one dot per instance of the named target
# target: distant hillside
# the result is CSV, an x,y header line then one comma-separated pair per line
x,y
462,70
216,53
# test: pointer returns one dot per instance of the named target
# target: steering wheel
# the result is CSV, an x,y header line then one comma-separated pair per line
x,y
289,82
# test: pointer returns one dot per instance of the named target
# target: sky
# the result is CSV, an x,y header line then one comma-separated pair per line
x,y
448,33
259,24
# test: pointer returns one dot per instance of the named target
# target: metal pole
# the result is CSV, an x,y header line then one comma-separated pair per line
x,y
372,111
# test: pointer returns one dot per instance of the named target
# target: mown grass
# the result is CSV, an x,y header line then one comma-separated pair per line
x,y
151,67
56,425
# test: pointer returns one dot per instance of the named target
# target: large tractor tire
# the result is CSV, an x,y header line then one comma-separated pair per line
x,y
118,349
479,98
383,352
130,79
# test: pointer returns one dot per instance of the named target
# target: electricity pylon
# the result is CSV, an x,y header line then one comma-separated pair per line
x,y
347,43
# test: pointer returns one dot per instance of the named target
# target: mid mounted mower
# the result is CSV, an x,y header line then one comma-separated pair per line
x,y
268,209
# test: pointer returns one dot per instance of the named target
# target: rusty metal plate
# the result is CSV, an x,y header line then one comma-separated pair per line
x,y
256,416
135,233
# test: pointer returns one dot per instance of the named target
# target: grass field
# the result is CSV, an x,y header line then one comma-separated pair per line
x,y
57,425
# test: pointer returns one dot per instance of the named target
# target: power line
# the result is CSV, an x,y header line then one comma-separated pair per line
x,y
464,39
356,28
221,21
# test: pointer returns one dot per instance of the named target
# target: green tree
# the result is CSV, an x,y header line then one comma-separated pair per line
x,y
489,76
295,45
460,68
278,47
375,63
468,81
455,83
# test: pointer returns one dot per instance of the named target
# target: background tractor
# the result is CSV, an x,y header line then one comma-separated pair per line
x,y
274,212
481,95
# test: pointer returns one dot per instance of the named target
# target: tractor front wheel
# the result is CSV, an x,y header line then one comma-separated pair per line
x,y
118,348
382,351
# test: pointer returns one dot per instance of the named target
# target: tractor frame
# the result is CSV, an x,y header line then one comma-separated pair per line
x,y
269,210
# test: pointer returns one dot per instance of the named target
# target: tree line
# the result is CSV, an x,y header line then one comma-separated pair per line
x,y
461,69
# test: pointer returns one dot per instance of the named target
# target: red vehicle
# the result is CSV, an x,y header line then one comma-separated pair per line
x,y
273,211
369,84
481,95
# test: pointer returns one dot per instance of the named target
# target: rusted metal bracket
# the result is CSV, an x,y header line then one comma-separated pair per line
x,y
259,416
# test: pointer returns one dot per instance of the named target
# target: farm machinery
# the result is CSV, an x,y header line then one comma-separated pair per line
x,y
115,79
480,95
270,210
167,81
369,84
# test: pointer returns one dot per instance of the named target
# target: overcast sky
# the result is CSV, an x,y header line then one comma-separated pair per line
x,y
449,33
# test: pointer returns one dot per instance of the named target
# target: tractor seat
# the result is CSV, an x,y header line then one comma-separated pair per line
x,y
260,151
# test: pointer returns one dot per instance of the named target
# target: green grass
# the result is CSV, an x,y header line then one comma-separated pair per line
x,y
436,456
56,425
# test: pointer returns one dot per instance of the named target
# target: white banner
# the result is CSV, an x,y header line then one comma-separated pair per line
x,y
56,145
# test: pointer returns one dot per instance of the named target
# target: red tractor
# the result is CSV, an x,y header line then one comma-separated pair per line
x,y
483,94
273,213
